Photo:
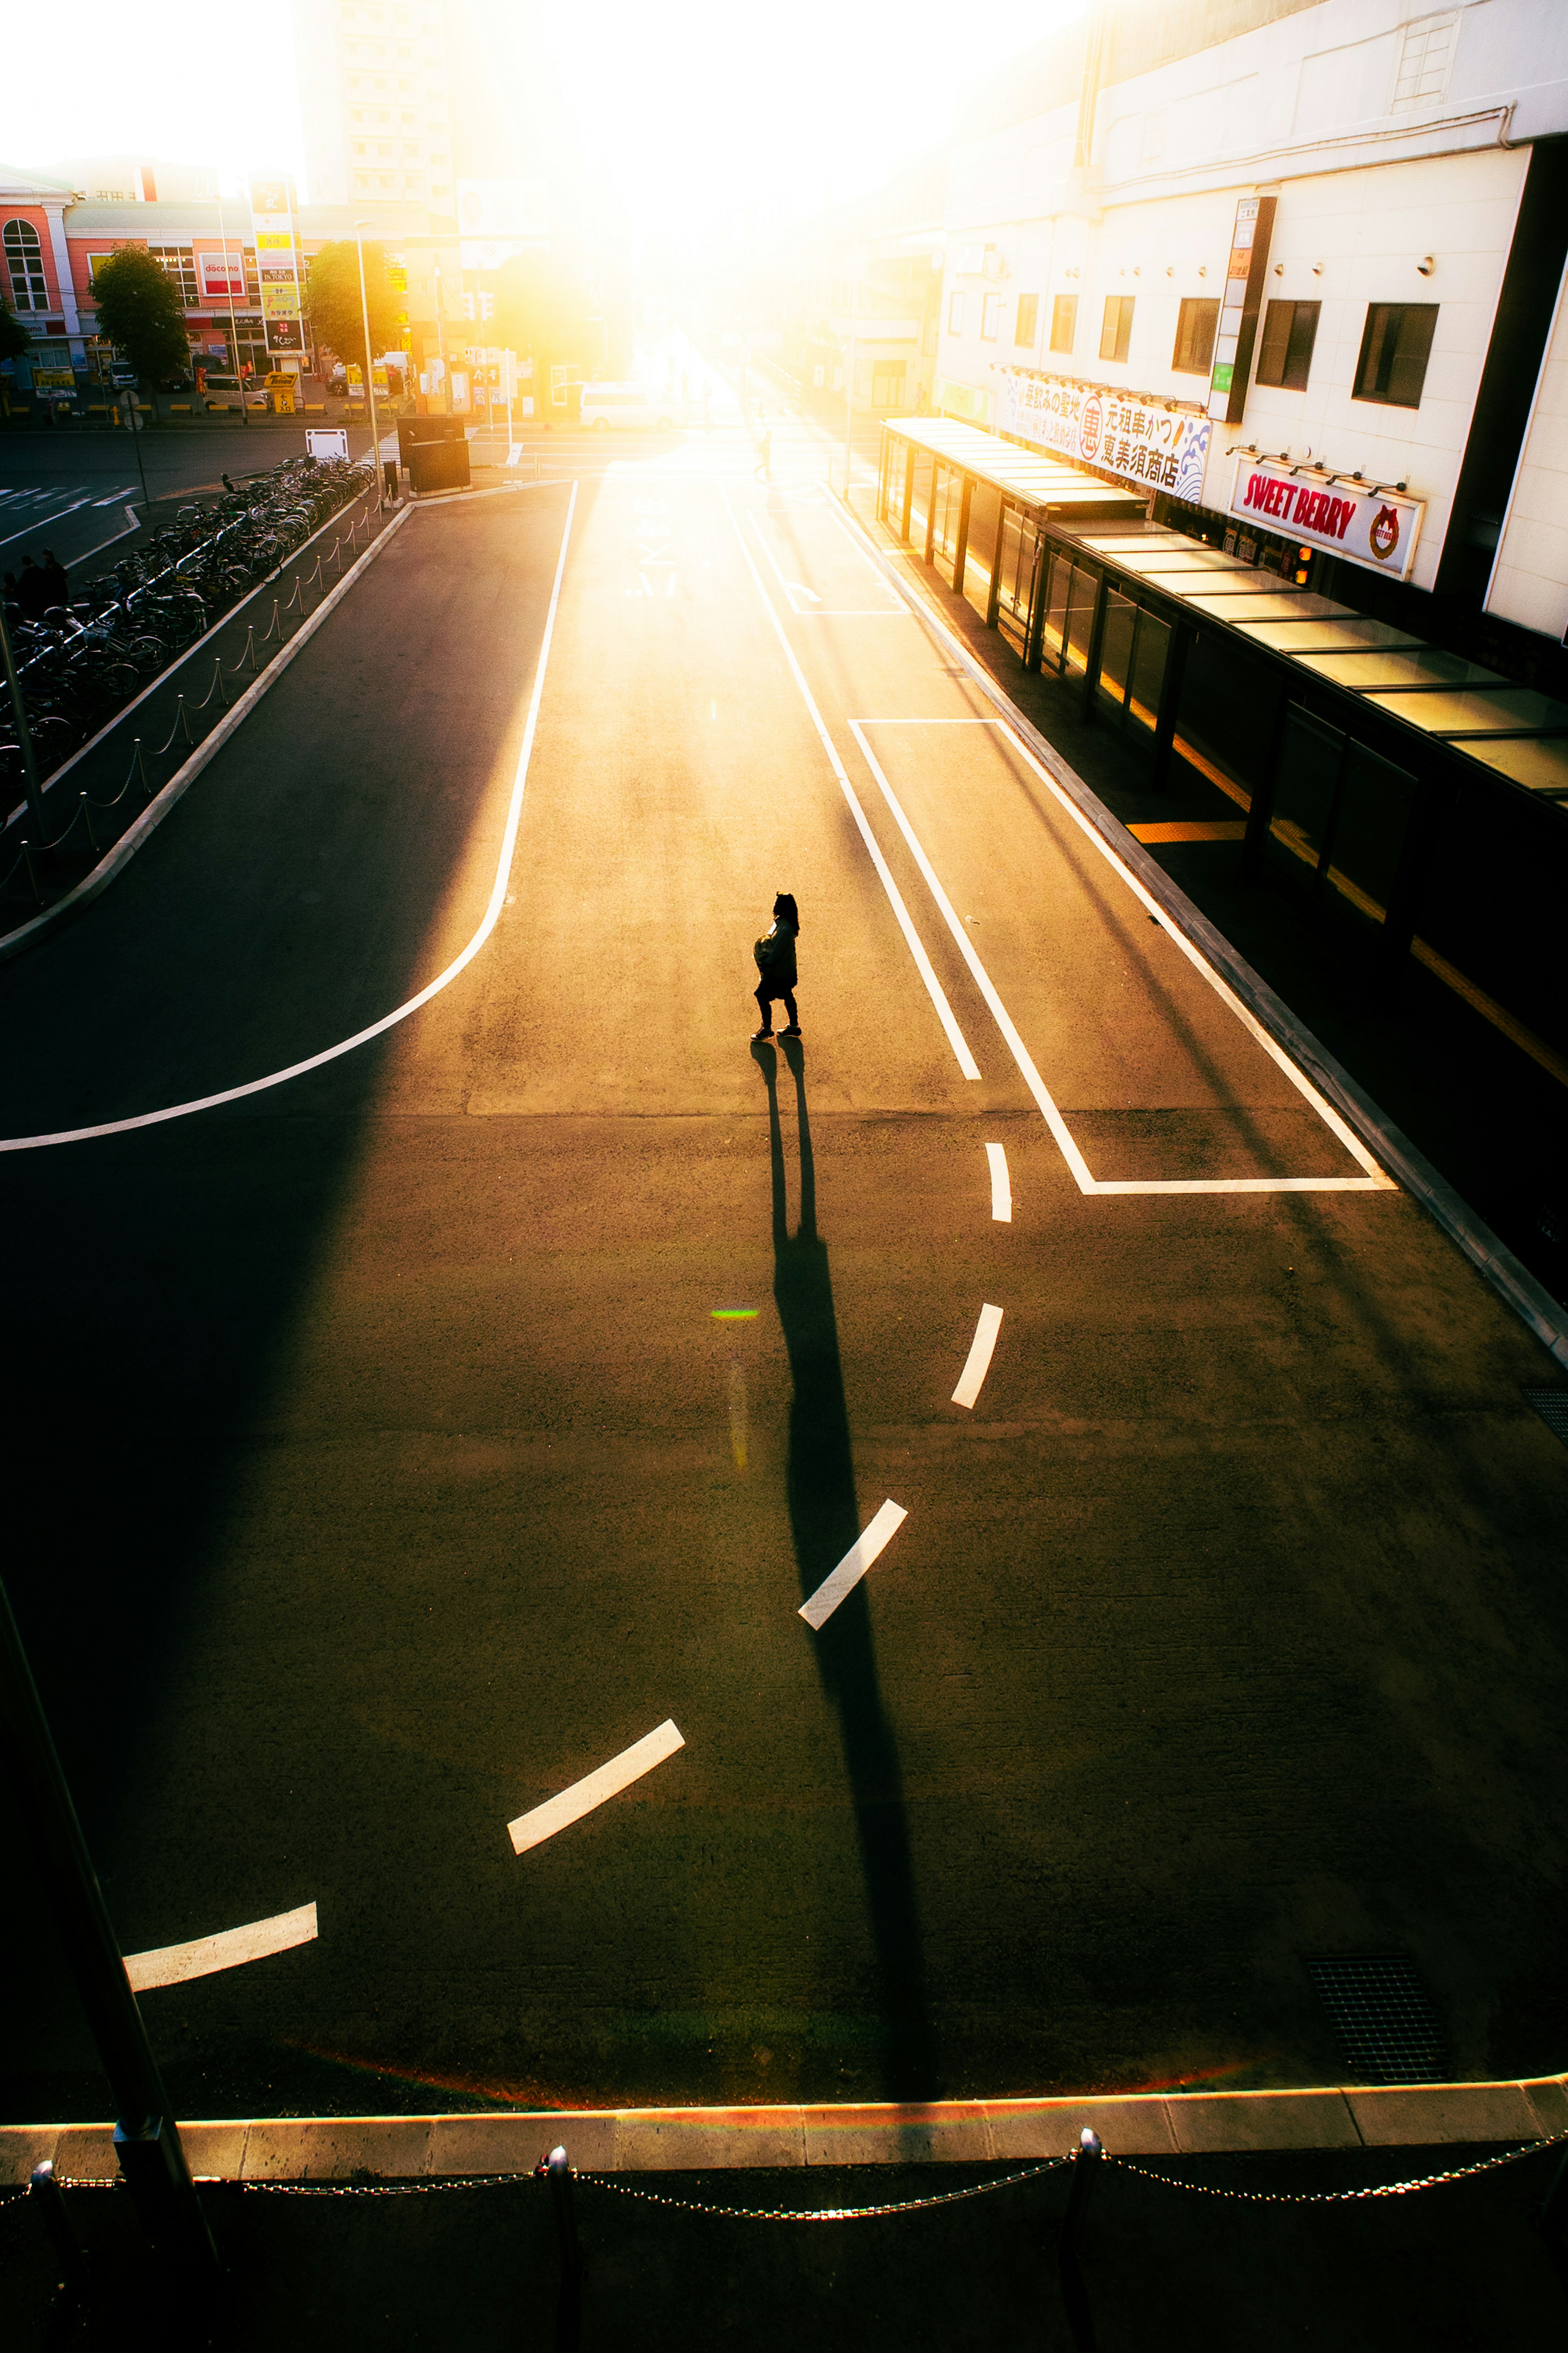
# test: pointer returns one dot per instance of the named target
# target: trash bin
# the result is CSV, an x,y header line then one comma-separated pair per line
x,y
435,450
438,465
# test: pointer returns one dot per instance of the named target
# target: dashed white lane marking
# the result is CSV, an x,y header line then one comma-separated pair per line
x,y
204,1956
853,1567
979,1361
559,1814
388,1020
955,1037
1001,1187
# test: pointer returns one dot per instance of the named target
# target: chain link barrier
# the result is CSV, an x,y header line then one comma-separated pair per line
x,y
17,2191
1346,2197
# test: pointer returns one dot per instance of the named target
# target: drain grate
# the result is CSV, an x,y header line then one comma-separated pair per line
x,y
1380,2013
1552,1405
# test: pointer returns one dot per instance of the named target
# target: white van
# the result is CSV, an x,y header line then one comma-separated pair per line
x,y
633,404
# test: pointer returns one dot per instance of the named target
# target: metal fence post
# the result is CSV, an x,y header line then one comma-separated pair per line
x,y
46,2194
1075,2295
557,2171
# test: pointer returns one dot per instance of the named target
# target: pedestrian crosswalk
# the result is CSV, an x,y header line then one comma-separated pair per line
x,y
26,508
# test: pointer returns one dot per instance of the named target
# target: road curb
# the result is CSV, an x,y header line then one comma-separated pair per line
x,y
28,934
945,2131
1513,1282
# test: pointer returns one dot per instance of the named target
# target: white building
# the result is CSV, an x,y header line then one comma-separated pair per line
x,y
374,101
1333,240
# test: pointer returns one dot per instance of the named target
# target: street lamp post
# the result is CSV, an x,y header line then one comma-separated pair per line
x,y
360,228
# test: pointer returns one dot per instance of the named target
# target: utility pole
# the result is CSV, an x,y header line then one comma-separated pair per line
x,y
850,374
146,2137
360,228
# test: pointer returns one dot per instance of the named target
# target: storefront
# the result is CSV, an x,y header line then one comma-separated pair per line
x,y
1414,797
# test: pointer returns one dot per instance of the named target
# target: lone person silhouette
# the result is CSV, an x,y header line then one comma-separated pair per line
x,y
774,955
766,454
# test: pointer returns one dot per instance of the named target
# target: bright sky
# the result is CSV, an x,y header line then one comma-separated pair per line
x,y
685,108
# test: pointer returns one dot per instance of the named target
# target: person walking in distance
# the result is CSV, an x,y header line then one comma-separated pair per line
x,y
766,454
774,955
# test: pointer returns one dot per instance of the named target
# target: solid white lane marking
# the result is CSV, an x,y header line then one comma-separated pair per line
x,y
1001,1185
1003,1019
388,1020
204,1956
955,1037
978,1363
1375,1182
558,1813
1376,1179
853,1567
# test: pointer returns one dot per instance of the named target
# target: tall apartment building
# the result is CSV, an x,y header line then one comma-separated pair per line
x,y
375,101
402,99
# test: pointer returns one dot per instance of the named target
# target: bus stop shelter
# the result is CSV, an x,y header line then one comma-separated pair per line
x,y
1416,797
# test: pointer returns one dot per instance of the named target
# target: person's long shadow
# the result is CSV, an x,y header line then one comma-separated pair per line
x,y
825,1521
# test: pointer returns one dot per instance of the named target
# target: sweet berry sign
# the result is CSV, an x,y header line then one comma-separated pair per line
x,y
1376,527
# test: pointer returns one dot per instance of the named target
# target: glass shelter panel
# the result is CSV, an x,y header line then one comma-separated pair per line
x,y
984,513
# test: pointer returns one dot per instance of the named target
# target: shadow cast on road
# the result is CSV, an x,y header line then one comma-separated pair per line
x,y
825,1521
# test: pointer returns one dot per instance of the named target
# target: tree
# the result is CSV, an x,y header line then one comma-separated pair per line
x,y
14,337
541,314
332,300
141,313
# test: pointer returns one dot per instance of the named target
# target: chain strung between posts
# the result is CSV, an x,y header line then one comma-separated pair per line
x,y
16,2192
819,2213
1343,2197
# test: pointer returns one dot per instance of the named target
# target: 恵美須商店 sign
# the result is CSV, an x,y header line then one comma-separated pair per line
x,y
1143,441
1375,527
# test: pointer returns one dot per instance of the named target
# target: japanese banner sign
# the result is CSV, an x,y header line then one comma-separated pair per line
x,y
1377,528
1164,448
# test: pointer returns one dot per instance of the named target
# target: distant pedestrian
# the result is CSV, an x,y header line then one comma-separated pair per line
x,y
774,955
765,456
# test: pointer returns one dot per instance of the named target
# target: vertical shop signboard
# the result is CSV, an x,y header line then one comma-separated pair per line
x,y
278,265
1238,311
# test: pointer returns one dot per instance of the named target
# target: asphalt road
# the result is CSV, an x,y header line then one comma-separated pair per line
x,y
382,1468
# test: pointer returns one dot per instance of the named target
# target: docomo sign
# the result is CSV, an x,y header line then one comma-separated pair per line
x,y
1379,528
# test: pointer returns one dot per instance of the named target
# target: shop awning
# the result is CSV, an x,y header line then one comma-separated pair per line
x,y
1042,484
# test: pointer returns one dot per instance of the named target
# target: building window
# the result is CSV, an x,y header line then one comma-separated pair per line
x,y
179,263
990,317
1395,351
1063,322
955,313
361,179
1116,330
25,261
1197,324
1289,331
1028,324
1424,63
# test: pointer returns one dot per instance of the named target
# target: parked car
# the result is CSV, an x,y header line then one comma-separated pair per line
x,y
631,405
227,391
